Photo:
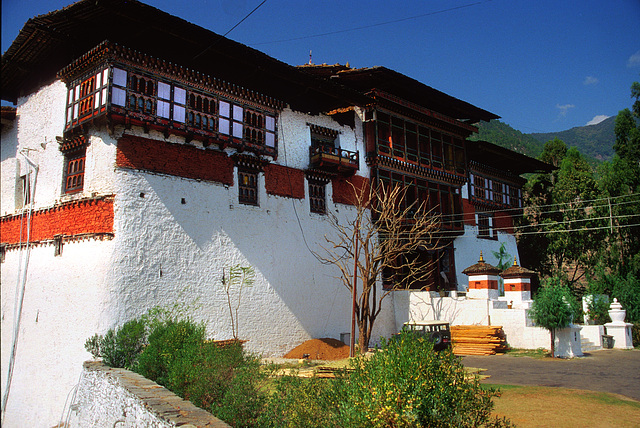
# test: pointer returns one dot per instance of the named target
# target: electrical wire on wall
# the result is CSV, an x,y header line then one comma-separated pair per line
x,y
295,211
21,280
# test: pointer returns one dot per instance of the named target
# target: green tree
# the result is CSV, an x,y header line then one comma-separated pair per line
x,y
554,307
554,152
563,235
619,182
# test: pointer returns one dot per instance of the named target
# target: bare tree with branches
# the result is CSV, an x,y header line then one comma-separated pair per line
x,y
389,234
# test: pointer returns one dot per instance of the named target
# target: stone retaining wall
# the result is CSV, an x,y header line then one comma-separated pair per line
x,y
108,397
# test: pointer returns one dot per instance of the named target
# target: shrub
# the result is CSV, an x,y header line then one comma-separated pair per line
x,y
405,384
302,402
598,310
166,340
224,380
121,347
244,397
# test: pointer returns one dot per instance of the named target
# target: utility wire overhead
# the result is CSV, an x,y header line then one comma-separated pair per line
x,y
364,27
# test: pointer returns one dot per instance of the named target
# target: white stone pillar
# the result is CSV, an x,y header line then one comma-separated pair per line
x,y
620,330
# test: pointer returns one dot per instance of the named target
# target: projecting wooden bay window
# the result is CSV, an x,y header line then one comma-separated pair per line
x,y
87,97
208,115
416,143
494,191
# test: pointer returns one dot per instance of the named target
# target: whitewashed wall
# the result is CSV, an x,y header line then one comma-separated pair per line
x,y
65,302
164,253
66,298
168,252
40,119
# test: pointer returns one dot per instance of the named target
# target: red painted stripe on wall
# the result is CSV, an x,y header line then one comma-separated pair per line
x,y
284,181
174,159
86,216
343,191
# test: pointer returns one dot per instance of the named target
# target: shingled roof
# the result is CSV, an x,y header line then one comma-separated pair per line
x,y
481,268
516,271
370,79
49,42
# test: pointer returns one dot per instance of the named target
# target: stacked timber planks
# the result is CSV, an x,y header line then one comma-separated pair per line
x,y
478,339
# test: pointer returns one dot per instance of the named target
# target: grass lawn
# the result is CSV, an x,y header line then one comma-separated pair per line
x,y
537,406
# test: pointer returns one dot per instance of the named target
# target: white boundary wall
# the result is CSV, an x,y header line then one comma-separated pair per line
x,y
425,305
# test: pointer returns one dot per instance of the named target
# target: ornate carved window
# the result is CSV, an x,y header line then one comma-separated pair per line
x,y
74,171
248,186
87,97
494,191
75,153
317,197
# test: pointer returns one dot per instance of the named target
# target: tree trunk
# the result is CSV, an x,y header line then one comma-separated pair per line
x,y
363,339
553,342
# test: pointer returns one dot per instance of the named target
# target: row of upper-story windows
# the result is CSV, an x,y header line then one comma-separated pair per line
x,y
442,199
493,191
151,99
419,144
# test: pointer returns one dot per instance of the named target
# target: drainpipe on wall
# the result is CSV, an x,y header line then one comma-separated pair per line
x,y
21,280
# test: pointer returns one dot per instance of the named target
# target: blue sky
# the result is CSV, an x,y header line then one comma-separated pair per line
x,y
542,65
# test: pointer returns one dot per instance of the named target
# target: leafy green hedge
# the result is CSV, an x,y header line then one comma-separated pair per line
x,y
404,384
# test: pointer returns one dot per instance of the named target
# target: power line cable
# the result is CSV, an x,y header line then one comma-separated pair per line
x,y
379,24
227,33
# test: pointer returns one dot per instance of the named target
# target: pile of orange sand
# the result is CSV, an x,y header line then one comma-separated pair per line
x,y
320,349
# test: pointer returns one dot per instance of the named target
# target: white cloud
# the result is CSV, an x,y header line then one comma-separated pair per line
x,y
564,108
590,80
597,119
634,60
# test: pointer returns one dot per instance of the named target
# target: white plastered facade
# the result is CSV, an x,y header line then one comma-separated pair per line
x,y
171,239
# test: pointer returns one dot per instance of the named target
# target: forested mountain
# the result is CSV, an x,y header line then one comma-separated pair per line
x,y
503,135
595,141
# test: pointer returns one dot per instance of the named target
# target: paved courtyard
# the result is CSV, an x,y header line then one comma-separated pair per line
x,y
607,370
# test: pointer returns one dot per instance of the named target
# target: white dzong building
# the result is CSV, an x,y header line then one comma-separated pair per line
x,y
146,154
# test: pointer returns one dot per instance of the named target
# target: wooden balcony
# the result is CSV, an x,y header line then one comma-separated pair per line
x,y
333,159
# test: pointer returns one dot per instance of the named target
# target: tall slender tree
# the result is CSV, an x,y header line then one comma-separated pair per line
x,y
383,238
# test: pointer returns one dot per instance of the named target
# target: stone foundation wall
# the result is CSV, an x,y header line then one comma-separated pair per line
x,y
108,397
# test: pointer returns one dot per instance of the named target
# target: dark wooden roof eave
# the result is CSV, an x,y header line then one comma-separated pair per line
x,y
49,42
501,158
365,79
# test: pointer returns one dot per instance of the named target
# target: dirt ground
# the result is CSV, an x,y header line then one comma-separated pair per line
x,y
608,370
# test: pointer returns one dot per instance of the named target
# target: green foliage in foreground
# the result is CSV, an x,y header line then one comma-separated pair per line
x,y
121,347
227,381
404,384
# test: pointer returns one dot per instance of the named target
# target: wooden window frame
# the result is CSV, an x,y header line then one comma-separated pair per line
x,y
317,197
248,186
486,225
74,170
